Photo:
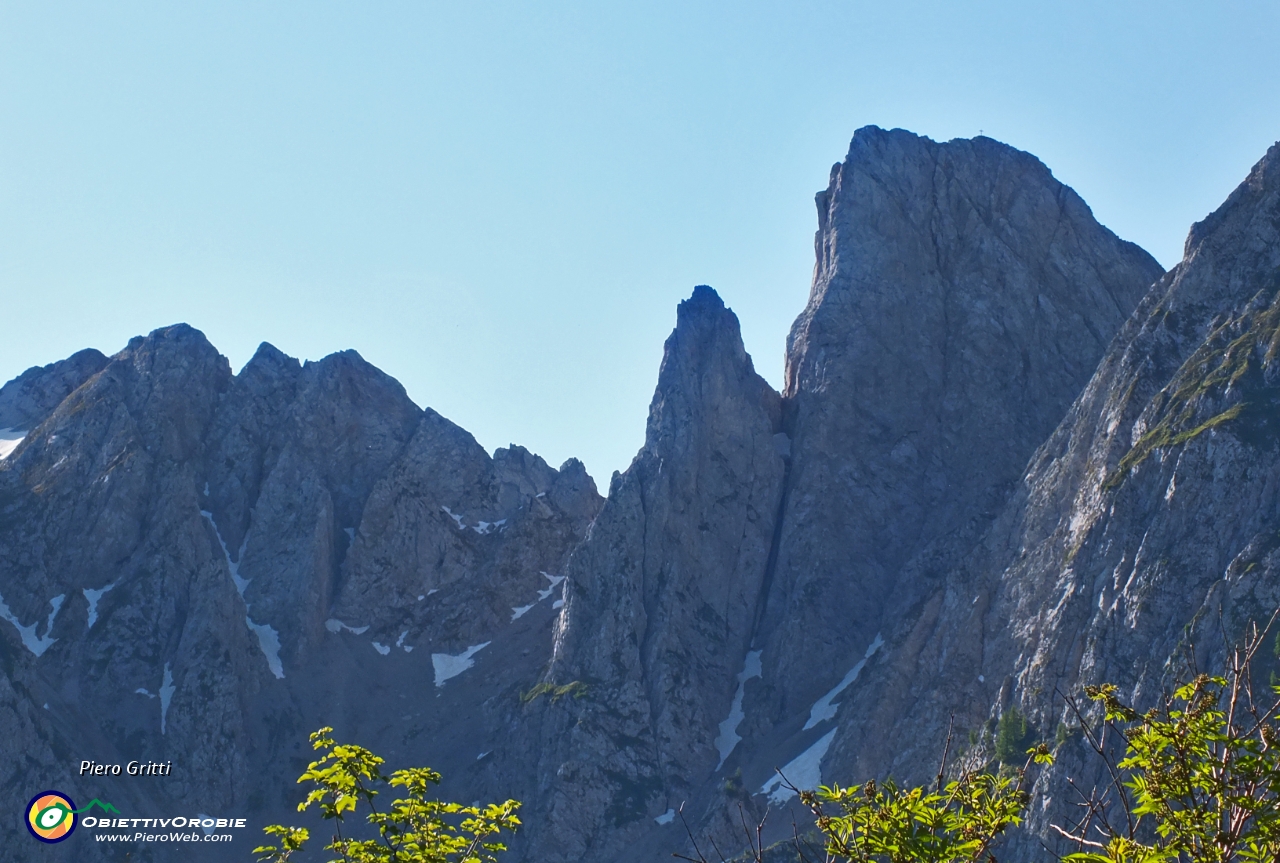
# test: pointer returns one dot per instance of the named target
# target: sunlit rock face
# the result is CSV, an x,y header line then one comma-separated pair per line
x,y
1146,525
1011,456
201,567
961,300
663,595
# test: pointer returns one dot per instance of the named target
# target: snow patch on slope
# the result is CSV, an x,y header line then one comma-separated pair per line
x,y
517,613
825,708
555,582
448,666
92,596
729,737
166,696
36,644
456,518
334,625
269,641
9,440
804,771
234,566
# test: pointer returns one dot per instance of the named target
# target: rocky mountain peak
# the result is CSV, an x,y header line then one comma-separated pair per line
x,y
1143,528
1011,456
29,398
1249,197
269,363
705,368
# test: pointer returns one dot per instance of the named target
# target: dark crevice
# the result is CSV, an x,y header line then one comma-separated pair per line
x,y
788,423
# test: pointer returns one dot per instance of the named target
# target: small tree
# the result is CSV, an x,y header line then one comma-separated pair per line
x,y
414,829
1013,736
1200,780
959,823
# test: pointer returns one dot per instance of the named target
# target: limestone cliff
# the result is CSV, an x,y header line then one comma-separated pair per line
x,y
961,299
1011,456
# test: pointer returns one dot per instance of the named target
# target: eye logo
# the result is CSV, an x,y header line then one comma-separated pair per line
x,y
51,816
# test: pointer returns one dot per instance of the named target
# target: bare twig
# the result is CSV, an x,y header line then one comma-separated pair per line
x,y
1097,741
700,858
942,768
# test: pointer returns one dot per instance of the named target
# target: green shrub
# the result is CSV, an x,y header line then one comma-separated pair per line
x,y
1013,737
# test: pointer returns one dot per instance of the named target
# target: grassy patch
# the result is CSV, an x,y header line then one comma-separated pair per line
x,y
575,688
1231,358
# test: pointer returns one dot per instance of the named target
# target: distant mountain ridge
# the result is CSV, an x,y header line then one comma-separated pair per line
x,y
1012,456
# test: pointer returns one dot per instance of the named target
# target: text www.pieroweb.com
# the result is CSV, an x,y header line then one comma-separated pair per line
x,y
197,829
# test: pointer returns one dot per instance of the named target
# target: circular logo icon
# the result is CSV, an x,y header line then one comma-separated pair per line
x,y
51,816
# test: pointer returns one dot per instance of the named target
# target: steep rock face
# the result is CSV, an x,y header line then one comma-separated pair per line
x,y
961,300
205,566
30,397
198,566
962,297
111,589
1148,521
663,596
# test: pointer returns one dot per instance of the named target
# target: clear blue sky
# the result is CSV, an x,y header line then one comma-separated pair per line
x,y
500,204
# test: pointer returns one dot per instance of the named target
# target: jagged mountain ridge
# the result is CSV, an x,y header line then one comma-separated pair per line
x,y
813,579
1145,527
231,559
961,299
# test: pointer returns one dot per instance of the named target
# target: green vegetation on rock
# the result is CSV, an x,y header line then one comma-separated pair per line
x,y
1230,359
1199,783
413,829
575,688
1013,736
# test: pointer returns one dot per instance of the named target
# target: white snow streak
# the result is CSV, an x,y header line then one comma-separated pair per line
x,y
456,518
335,625
268,637
241,583
166,695
517,613
729,736
804,771
269,641
555,582
448,667
9,440
666,817
92,596
823,708
381,648
37,645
